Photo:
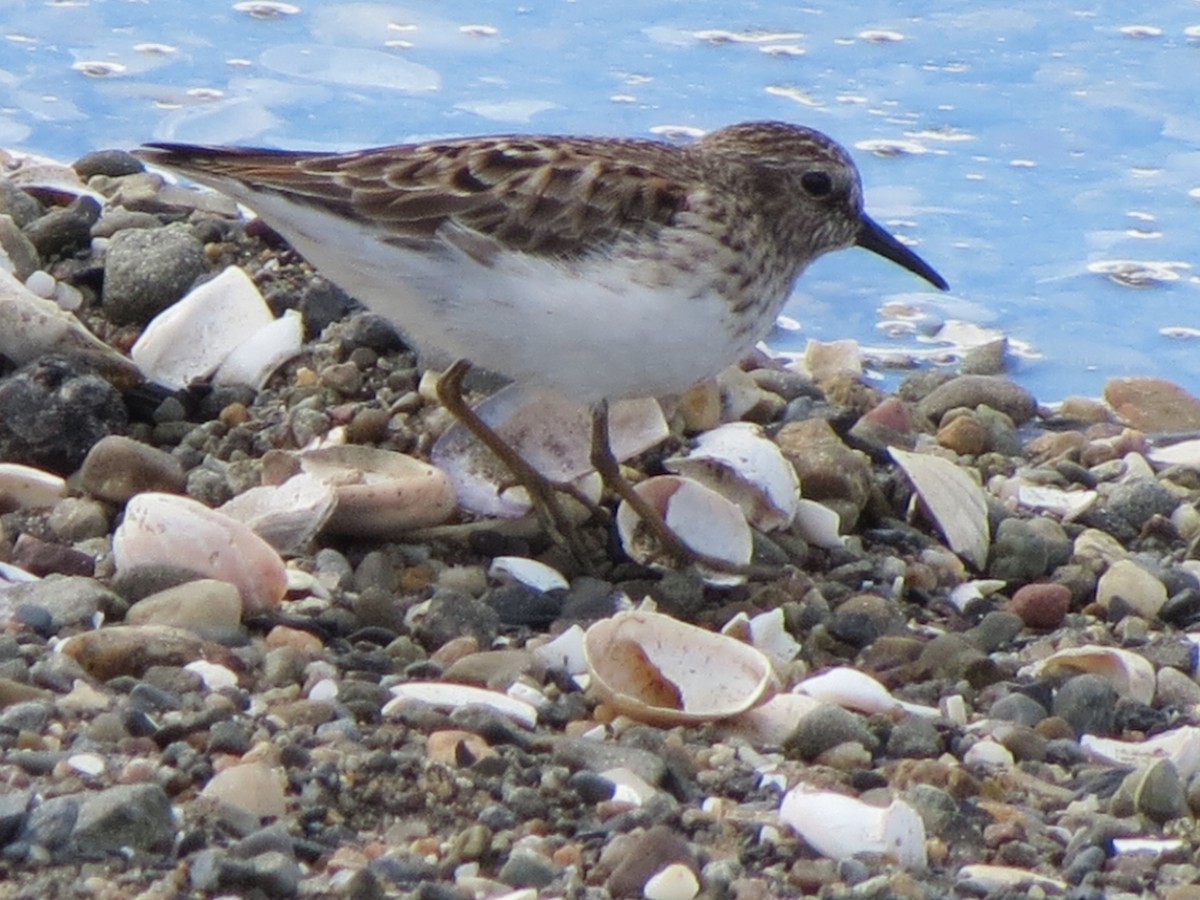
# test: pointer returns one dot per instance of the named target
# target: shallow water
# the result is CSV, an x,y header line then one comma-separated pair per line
x,y
1045,160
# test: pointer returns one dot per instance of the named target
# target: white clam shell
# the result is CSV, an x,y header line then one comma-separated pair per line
x,y
380,493
287,516
550,432
454,696
770,723
1131,674
529,572
170,530
1180,745
741,464
989,753
191,338
819,525
700,517
1067,505
256,358
838,826
565,652
656,669
24,487
956,504
852,689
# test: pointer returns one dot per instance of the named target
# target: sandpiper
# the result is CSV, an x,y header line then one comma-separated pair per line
x,y
598,267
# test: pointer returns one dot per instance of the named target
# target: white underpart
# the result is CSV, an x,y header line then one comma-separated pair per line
x,y
590,329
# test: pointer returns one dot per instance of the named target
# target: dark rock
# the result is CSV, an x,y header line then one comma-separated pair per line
x,y
972,391
527,869
52,411
68,601
1019,553
452,615
113,163
118,467
65,230
137,816
826,727
914,738
1136,501
146,270
1018,708
44,558
1088,704
49,824
518,604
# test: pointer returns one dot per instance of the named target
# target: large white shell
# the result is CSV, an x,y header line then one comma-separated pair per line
x,y
24,487
1130,674
550,432
838,826
170,530
700,517
287,516
741,464
189,339
659,670
1180,745
852,689
955,503
380,493
256,358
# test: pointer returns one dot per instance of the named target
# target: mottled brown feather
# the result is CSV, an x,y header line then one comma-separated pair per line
x,y
561,197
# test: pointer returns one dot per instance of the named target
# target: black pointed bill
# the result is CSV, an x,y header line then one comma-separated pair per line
x,y
874,237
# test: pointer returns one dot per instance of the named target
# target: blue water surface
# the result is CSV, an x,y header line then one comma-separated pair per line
x,y
1044,157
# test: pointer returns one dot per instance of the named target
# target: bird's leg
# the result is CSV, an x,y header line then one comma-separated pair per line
x,y
543,493
605,463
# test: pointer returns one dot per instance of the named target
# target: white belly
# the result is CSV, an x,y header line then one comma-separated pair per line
x,y
591,329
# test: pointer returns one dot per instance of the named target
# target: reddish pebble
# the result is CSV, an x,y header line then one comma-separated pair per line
x,y
1042,605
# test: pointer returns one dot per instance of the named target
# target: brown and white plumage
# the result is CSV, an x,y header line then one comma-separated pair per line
x,y
602,268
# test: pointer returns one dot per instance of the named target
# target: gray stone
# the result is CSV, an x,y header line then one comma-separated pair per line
x,y
914,738
49,824
70,600
995,630
973,391
118,467
826,727
525,869
18,248
1088,704
14,806
65,230
53,410
595,756
1019,553
1018,708
146,270
275,874
29,715
1135,501
137,816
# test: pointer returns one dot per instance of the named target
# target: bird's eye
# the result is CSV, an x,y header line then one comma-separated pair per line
x,y
817,183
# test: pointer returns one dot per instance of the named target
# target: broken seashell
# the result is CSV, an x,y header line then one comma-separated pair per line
x,y
380,492
700,517
773,721
24,487
190,338
455,696
565,652
852,689
956,503
1129,673
659,670
1180,745
989,753
838,826
287,516
170,530
529,572
31,327
256,358
819,525
1067,505
741,464
550,432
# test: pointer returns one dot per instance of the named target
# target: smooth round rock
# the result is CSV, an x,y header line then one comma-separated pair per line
x,y
1019,553
1139,590
826,727
1041,605
1018,708
146,270
118,467
972,391
1088,704
207,607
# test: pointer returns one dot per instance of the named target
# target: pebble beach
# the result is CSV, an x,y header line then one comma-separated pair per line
x,y
965,667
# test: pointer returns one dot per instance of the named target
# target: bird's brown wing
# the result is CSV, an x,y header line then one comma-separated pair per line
x,y
554,196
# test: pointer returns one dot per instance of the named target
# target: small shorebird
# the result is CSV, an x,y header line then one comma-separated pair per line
x,y
601,268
